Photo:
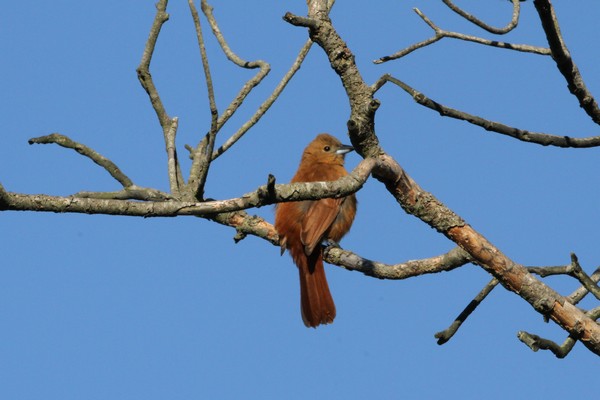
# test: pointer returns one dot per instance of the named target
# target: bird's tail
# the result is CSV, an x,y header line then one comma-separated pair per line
x,y
315,298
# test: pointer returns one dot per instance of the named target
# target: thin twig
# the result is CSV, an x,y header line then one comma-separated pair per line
x,y
447,334
543,139
264,107
96,157
498,31
264,67
440,34
564,62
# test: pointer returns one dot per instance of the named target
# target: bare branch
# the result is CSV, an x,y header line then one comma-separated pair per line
x,y
203,153
440,34
498,31
102,161
564,62
543,139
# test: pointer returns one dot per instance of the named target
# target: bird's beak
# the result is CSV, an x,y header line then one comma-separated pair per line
x,y
344,149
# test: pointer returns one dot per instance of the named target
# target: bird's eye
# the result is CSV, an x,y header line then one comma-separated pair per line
x,y
326,148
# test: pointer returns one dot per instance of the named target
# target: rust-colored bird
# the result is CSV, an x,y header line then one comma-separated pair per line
x,y
303,225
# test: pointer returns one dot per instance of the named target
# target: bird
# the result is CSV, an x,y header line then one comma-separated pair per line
x,y
303,225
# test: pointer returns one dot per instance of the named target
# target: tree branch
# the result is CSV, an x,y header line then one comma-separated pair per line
x,y
564,62
455,258
264,107
447,334
102,161
498,31
143,70
203,154
264,195
523,135
440,34
264,69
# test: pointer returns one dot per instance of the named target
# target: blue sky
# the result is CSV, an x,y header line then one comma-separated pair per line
x,y
101,307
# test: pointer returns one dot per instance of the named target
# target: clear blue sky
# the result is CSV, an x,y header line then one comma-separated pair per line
x,y
101,307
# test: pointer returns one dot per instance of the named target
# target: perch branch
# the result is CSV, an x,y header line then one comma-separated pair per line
x,y
264,195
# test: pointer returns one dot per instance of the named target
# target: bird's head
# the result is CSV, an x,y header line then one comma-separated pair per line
x,y
326,149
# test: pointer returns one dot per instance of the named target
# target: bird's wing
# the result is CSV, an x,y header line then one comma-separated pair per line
x,y
318,218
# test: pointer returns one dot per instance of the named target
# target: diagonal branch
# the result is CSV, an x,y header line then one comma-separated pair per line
x,y
543,139
143,70
564,62
447,334
96,157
